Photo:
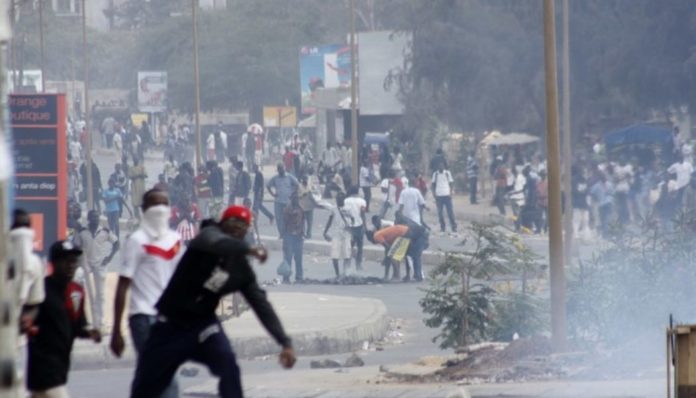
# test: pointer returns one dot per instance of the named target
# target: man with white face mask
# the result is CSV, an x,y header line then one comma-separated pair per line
x,y
150,257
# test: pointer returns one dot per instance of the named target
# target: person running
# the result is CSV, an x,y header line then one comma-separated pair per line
x,y
150,257
113,203
61,319
99,244
258,194
187,328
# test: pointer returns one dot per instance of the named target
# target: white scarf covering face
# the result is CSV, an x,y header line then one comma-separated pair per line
x,y
156,220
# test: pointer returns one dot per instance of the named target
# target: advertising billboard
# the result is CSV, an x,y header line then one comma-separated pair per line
x,y
152,91
40,156
322,67
279,116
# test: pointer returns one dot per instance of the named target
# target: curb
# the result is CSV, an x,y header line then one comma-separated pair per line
x,y
316,342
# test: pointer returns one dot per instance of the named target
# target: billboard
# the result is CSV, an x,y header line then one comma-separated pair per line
x,y
322,67
381,53
40,156
279,116
152,91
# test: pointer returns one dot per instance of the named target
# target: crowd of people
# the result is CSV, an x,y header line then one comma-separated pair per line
x,y
623,188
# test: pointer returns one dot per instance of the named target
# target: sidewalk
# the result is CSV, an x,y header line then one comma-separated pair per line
x,y
318,324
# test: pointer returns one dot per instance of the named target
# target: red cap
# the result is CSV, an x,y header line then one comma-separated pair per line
x,y
238,212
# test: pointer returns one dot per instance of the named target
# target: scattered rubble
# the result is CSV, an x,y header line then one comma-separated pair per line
x,y
354,361
324,364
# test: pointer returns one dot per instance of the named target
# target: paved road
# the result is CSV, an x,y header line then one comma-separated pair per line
x,y
264,375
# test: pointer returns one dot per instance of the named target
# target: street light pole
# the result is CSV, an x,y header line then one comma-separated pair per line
x,y
41,46
353,97
567,141
558,315
88,163
197,82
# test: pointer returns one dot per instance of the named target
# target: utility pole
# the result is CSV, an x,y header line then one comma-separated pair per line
x,y
88,127
9,383
567,141
41,46
353,97
197,82
558,313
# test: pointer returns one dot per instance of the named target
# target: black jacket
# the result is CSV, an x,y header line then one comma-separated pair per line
x,y
215,265
61,319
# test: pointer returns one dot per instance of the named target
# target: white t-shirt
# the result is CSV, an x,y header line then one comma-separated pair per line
x,y
210,141
149,264
442,182
354,207
683,171
412,200
96,248
338,226
623,176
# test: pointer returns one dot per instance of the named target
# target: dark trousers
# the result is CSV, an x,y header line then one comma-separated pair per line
x,y
292,249
356,234
604,215
139,325
499,199
309,219
258,206
112,220
473,189
415,251
367,192
621,199
169,346
446,203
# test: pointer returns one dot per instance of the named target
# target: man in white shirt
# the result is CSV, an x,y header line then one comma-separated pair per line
x,y
411,204
150,257
355,207
442,190
99,245
365,181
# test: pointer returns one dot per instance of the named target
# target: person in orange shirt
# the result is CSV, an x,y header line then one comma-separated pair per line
x,y
395,242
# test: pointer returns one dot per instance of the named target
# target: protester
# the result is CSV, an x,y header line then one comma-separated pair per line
x,y
99,245
113,203
242,184
96,184
411,204
216,181
443,186
203,192
137,175
337,231
472,171
59,322
149,259
579,201
365,178
293,237
259,188
281,186
30,291
355,207
187,328
395,243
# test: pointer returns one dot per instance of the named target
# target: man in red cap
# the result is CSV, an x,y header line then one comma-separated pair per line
x,y
215,264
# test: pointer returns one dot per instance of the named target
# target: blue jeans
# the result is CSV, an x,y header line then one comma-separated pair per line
x,y
445,202
139,325
279,208
292,249
357,239
170,345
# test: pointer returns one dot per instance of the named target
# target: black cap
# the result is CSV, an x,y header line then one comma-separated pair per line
x,y
61,249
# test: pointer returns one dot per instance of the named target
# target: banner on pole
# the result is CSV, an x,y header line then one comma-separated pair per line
x,y
152,91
